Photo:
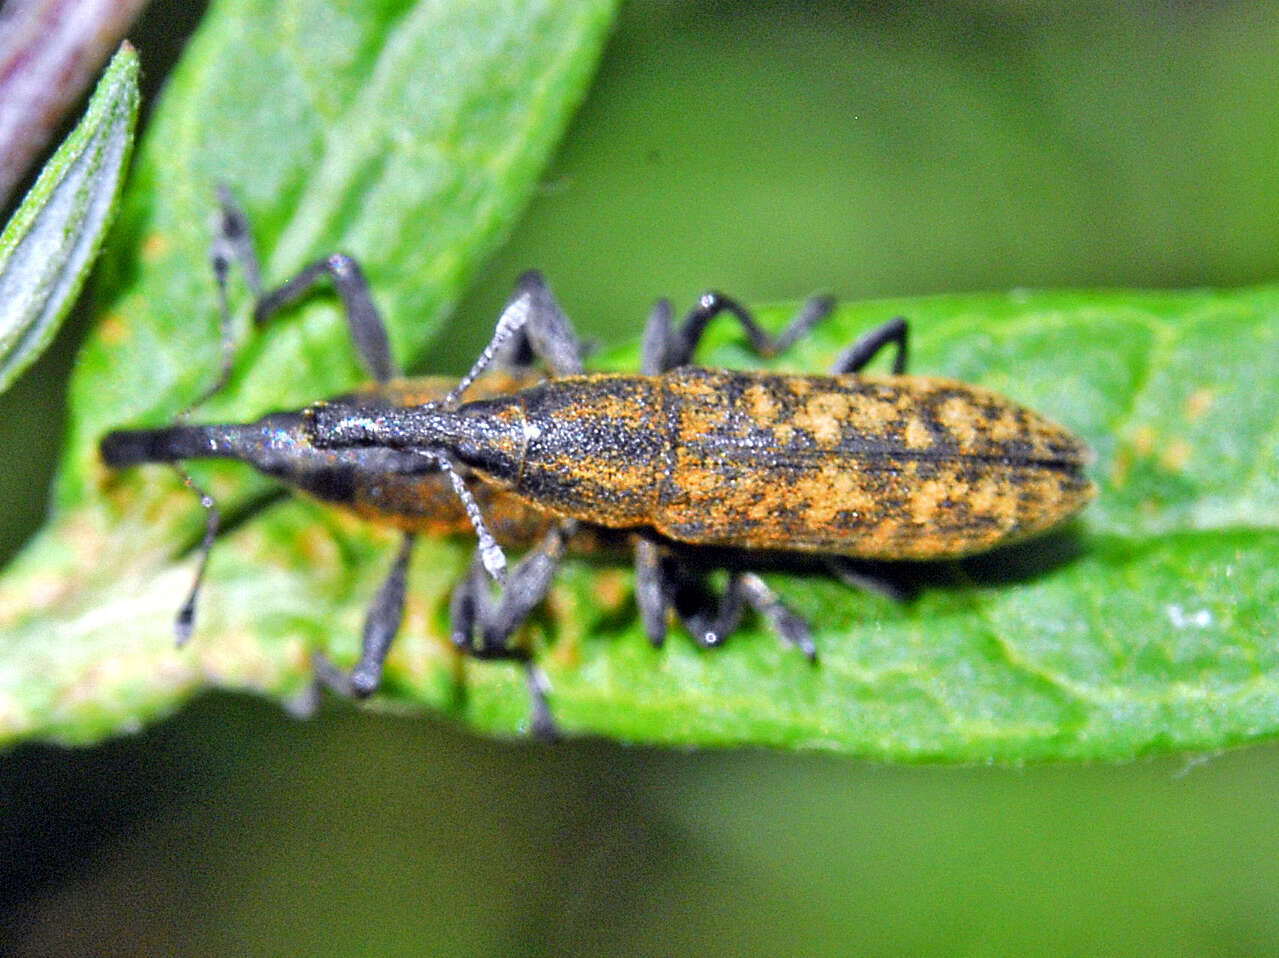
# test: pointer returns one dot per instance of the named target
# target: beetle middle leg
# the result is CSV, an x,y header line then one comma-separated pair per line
x,y
711,626
666,346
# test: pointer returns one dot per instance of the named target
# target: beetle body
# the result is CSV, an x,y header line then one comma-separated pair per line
x,y
893,467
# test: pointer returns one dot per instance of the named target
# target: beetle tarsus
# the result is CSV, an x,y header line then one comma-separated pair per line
x,y
857,356
184,624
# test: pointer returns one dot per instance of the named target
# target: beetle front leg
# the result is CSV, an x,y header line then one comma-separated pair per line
x,y
548,335
380,627
368,332
531,321
481,626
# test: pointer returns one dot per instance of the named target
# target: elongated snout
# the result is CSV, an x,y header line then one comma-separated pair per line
x,y
133,447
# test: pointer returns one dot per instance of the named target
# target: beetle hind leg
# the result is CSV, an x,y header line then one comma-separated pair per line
x,y
663,583
666,346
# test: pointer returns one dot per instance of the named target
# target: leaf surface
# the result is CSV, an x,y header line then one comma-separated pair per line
x,y
1145,626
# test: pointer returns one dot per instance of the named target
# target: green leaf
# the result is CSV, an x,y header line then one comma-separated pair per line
x,y
1145,626
48,246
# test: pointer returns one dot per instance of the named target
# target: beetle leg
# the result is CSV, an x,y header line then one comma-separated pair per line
x,y
185,622
548,333
868,345
233,240
677,587
786,625
368,332
666,347
651,591
380,626
709,628
362,318
481,626
658,345
530,318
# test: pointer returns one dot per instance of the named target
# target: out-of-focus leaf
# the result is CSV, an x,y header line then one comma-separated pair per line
x,y
48,247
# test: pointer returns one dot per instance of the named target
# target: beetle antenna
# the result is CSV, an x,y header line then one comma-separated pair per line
x,y
185,622
490,552
512,320
229,239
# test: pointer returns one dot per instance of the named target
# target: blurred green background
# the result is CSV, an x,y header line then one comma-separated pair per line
x,y
769,150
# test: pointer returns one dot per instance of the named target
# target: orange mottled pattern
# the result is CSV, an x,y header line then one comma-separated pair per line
x,y
592,446
898,467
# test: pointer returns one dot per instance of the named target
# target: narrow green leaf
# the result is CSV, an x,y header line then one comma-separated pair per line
x,y
48,246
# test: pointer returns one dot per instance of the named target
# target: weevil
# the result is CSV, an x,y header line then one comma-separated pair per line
x,y
410,492
686,457
673,462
